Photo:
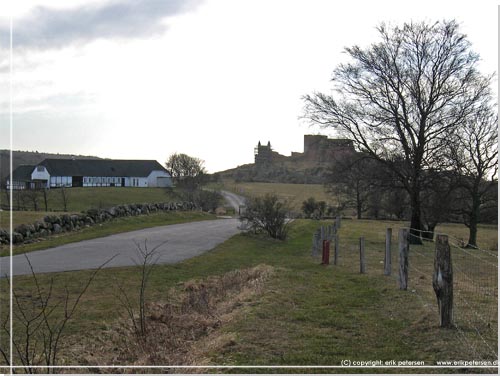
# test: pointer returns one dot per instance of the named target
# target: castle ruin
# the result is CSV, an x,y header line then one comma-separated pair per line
x,y
317,149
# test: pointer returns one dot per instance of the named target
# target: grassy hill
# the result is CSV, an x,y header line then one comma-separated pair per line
x,y
284,170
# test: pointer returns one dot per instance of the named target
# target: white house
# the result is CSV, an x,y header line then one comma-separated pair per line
x,y
53,173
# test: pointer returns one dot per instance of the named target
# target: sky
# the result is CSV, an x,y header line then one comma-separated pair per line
x,y
142,79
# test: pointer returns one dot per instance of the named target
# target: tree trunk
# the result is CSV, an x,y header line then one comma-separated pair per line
x,y
474,219
428,234
45,199
358,203
416,221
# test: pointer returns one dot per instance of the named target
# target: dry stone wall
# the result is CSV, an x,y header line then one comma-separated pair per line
x,y
56,224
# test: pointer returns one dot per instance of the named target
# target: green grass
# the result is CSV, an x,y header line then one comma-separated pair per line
x,y
112,227
308,314
295,194
80,199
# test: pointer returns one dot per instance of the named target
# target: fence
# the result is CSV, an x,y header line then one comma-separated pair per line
x,y
474,315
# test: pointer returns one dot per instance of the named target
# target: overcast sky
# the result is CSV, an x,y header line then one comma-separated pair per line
x,y
141,79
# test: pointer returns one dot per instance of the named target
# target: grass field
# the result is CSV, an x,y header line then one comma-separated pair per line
x,y
295,194
306,314
21,217
80,199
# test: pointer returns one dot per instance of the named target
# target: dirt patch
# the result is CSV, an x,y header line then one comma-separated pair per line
x,y
184,329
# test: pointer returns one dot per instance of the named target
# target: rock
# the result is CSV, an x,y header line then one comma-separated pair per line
x,y
17,238
57,228
112,212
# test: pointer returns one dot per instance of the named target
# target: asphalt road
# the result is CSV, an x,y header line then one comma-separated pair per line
x,y
233,199
182,241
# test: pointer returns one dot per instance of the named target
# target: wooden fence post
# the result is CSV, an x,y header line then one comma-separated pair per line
x,y
336,249
326,253
404,248
387,259
362,265
314,244
442,281
337,222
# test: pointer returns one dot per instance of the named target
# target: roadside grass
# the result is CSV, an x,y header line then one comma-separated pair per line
x,y
81,199
307,314
115,226
295,194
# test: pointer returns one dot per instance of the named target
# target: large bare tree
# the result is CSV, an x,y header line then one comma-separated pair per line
x,y
401,98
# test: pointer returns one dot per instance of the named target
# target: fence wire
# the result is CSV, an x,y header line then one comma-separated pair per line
x,y
475,293
475,286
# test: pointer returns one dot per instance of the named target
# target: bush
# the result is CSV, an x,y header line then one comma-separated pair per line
x,y
314,209
207,200
267,214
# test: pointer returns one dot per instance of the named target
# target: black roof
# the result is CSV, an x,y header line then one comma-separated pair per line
x,y
101,167
22,173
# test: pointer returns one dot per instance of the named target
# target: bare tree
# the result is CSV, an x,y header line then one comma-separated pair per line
x,y
353,177
186,170
439,197
64,197
401,98
33,196
43,319
147,261
45,192
475,153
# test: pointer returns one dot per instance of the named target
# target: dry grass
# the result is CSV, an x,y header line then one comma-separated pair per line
x,y
295,194
475,280
183,329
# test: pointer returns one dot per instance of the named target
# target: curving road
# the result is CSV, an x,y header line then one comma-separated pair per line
x,y
234,200
175,243
182,241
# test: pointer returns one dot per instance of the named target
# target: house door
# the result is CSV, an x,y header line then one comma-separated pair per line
x,y
77,181
123,182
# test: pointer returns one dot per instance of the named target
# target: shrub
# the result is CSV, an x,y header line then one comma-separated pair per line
x,y
314,209
267,214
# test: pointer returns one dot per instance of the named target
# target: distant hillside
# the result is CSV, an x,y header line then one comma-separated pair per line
x,y
277,172
29,158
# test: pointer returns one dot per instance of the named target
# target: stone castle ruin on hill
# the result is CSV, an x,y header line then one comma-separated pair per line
x,y
318,149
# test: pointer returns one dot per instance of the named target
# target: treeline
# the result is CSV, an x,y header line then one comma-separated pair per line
x,y
372,190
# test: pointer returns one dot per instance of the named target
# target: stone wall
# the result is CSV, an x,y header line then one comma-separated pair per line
x,y
56,224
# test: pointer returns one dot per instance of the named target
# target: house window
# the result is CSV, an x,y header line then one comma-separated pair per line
x,y
40,168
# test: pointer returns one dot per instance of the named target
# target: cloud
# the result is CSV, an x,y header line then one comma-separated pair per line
x,y
55,28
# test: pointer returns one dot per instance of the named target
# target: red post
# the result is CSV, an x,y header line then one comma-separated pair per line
x,y
326,253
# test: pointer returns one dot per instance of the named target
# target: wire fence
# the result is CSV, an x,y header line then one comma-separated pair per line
x,y
475,286
475,293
